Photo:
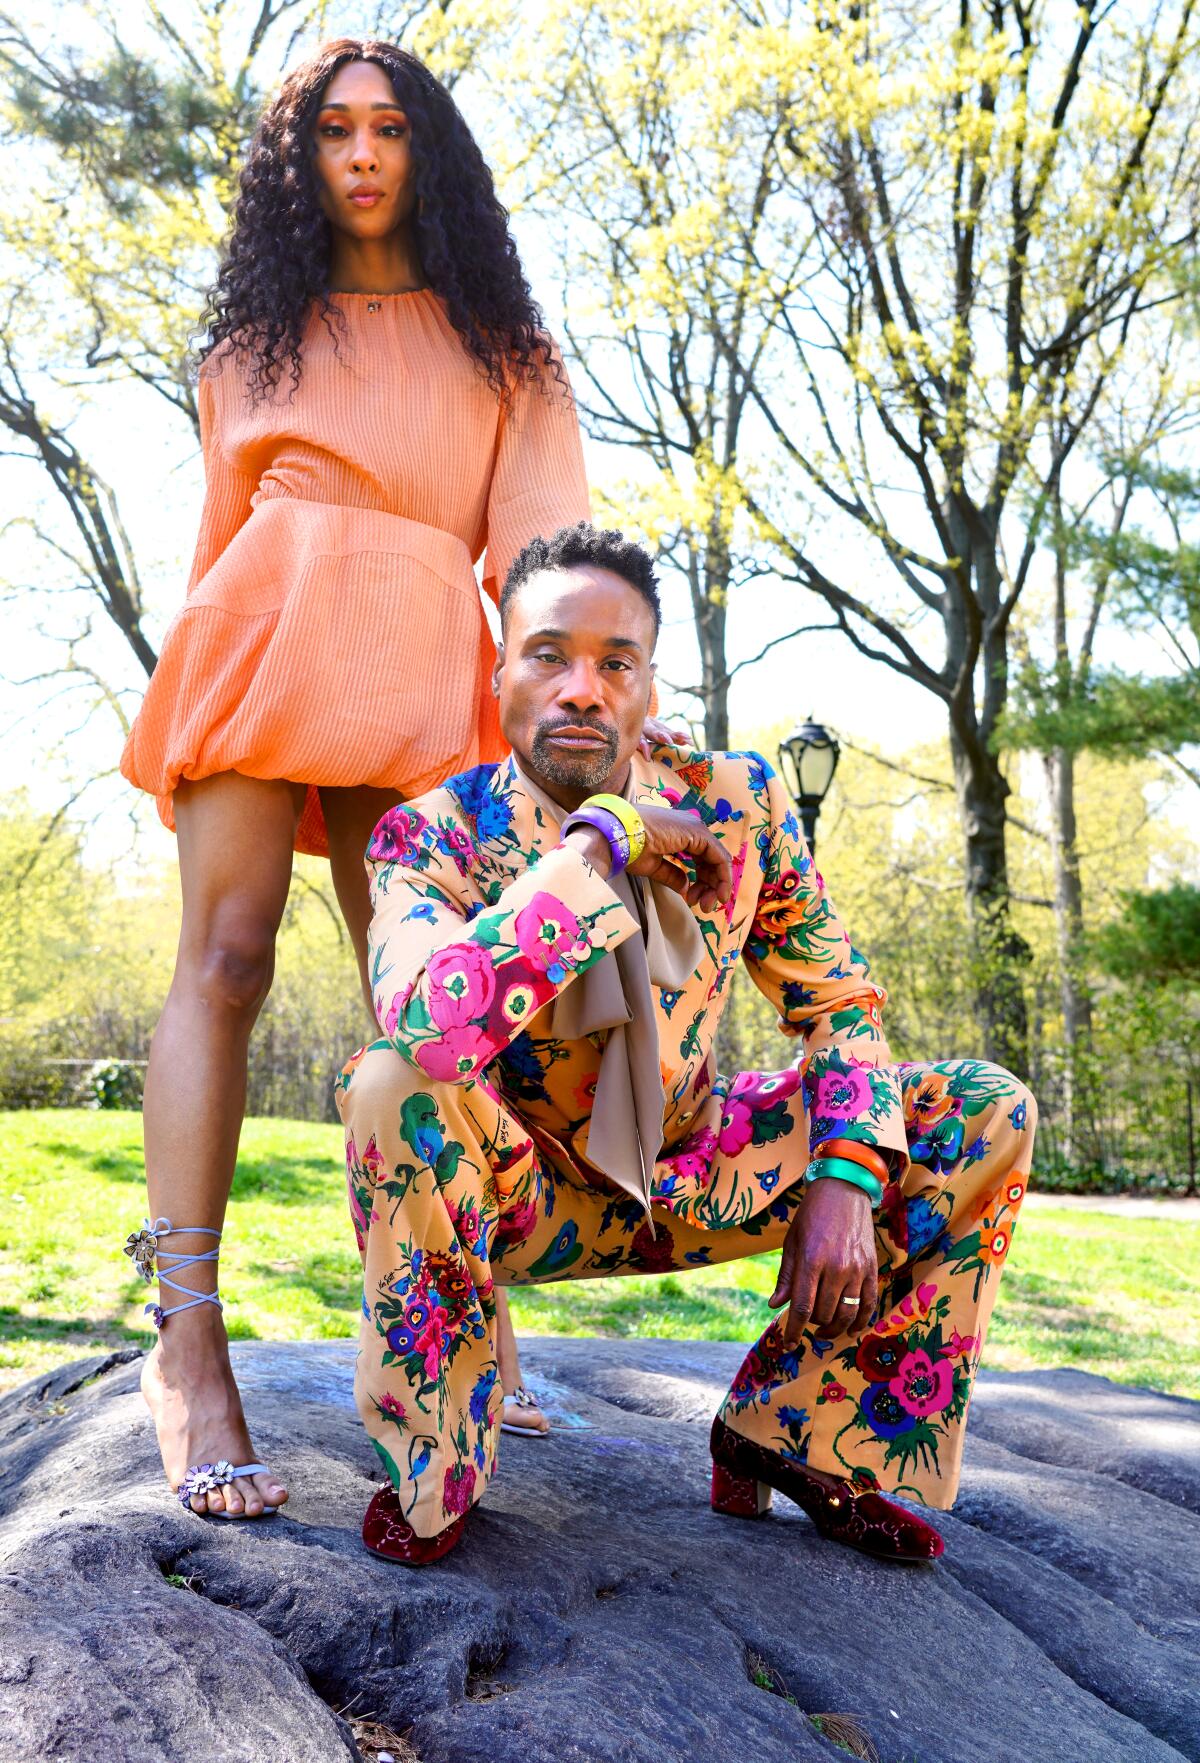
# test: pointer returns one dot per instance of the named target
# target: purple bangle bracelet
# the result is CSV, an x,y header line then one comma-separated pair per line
x,y
605,823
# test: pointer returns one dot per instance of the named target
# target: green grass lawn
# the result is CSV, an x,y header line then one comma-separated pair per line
x,y
1114,1295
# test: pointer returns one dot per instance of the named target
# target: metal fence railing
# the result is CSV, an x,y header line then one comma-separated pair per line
x,y
1128,1125
1126,1122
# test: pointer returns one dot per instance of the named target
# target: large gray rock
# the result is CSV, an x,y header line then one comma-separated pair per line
x,y
597,1611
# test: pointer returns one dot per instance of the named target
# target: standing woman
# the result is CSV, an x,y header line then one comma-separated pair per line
x,y
379,404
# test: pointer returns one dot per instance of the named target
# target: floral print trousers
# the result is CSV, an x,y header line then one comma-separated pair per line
x,y
450,1194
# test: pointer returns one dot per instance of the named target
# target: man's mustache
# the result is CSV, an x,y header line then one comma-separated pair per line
x,y
589,722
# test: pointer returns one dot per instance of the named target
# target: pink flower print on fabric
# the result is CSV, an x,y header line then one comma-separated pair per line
x,y
358,1217
549,933
693,1160
517,1223
454,1056
762,1089
435,1344
843,1095
467,1224
370,1164
462,983
396,837
914,1308
372,1160
520,1000
390,1017
922,1385
736,1126
461,847
458,1489
958,1344
430,1330
752,1091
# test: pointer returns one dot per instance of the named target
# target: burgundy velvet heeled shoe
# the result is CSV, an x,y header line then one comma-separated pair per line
x,y
744,1474
385,1532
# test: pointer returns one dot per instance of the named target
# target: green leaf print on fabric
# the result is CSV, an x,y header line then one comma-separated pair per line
x,y
394,1471
769,1124
563,1252
419,1127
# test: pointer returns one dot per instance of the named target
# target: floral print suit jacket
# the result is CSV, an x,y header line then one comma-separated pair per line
x,y
482,917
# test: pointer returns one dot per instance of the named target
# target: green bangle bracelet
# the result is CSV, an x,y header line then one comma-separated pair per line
x,y
845,1169
842,1169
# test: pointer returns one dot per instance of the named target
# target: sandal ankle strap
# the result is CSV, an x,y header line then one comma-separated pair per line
x,y
143,1246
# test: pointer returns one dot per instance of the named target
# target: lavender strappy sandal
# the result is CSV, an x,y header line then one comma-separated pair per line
x,y
143,1248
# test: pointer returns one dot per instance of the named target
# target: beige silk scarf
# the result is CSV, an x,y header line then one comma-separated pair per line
x,y
625,1133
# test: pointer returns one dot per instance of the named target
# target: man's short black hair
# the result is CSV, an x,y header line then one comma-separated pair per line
x,y
606,548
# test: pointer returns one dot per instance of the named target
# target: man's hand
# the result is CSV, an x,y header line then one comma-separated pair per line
x,y
828,1255
672,835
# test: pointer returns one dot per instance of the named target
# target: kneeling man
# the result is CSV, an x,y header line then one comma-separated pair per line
x,y
552,945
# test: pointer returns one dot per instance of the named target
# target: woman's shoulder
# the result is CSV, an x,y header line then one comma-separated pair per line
x,y
231,379
223,374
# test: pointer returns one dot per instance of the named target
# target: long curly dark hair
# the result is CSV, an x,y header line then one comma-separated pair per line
x,y
276,267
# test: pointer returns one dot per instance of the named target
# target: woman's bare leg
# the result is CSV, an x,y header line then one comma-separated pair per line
x,y
235,860
508,1362
350,818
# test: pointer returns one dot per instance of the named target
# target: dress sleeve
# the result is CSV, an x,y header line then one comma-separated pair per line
x,y
538,481
227,491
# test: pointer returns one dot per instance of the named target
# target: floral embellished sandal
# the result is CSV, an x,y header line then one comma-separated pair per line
x,y
526,1403
143,1248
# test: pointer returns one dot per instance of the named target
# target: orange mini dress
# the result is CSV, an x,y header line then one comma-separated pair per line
x,y
333,632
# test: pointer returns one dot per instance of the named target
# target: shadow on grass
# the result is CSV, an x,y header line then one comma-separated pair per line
x,y
290,1181
334,1280
712,1312
120,1165
15,1321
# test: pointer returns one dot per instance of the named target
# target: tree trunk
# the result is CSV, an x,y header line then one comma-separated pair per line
x,y
1076,1004
1059,768
999,951
708,576
977,663
1068,895
713,669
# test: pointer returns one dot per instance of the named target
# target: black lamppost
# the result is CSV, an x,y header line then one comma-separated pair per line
x,y
808,760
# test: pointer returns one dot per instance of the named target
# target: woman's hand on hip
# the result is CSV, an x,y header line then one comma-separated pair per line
x,y
657,734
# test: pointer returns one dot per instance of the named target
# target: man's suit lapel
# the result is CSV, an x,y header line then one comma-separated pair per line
x,y
646,778
521,834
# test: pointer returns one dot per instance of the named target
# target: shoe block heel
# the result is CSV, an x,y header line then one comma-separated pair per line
x,y
739,1496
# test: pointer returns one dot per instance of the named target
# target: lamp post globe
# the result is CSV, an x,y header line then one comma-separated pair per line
x,y
807,761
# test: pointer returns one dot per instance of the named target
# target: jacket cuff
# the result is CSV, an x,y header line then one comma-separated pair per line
x,y
564,877
846,1098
